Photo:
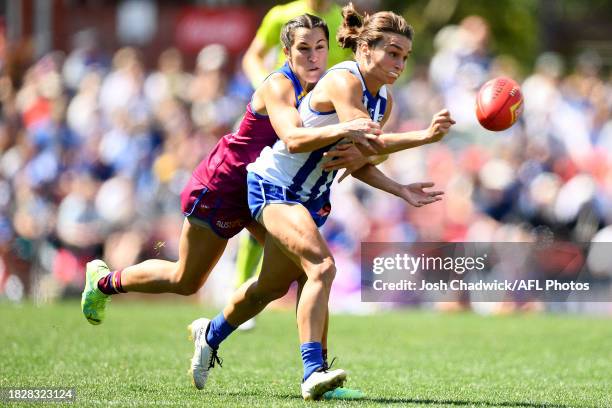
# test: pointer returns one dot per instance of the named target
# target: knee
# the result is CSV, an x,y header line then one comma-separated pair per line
x,y
323,272
187,288
184,286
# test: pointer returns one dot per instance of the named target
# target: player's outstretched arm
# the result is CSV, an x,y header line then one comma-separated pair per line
x,y
439,127
280,105
348,156
414,194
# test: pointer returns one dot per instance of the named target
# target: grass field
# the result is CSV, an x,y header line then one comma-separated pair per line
x,y
140,356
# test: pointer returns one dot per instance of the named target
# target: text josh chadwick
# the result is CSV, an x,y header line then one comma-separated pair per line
x,y
417,272
480,285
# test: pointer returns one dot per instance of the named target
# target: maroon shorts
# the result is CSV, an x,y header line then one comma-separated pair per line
x,y
225,212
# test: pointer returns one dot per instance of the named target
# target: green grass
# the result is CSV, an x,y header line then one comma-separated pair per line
x,y
140,356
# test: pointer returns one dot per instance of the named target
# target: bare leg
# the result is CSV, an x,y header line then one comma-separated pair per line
x,y
294,231
301,282
258,231
199,251
277,274
255,294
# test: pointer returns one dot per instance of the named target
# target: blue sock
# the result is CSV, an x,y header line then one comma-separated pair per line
x,y
312,357
218,330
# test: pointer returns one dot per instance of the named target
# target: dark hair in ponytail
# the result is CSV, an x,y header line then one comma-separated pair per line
x,y
356,29
302,21
352,23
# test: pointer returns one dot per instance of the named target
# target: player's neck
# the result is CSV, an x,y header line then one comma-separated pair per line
x,y
372,84
307,86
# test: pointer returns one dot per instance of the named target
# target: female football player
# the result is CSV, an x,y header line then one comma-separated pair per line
x,y
215,199
289,186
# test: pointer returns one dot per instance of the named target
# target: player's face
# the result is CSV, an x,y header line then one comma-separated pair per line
x,y
386,61
308,54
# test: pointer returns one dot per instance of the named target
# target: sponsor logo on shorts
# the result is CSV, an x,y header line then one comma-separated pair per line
x,y
274,190
323,212
229,224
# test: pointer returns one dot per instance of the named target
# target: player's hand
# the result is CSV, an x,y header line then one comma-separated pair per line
x,y
440,125
345,156
363,132
415,194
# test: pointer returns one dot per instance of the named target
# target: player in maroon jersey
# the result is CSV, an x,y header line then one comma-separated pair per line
x,y
214,201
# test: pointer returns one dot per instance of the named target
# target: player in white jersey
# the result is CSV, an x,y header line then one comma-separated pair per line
x,y
289,185
303,173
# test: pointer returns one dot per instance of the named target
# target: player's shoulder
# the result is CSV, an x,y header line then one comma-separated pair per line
x,y
338,85
277,78
277,84
342,76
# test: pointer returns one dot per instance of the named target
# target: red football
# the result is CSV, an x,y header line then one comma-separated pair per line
x,y
499,103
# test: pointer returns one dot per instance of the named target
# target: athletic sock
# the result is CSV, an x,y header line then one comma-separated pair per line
x,y
218,330
312,357
324,355
111,283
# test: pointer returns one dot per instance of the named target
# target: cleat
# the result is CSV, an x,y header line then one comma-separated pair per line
x,y
340,393
322,381
93,301
343,394
204,356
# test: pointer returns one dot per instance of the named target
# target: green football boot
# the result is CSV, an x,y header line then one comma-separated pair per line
x,y
341,393
93,301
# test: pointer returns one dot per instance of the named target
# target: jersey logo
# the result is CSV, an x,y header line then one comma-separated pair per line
x,y
378,117
302,95
374,111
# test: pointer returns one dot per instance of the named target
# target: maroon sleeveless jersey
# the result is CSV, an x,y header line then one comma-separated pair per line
x,y
216,193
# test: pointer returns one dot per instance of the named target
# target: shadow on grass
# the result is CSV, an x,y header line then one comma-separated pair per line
x,y
460,403
391,401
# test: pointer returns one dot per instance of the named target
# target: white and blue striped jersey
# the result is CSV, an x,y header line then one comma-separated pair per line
x,y
302,173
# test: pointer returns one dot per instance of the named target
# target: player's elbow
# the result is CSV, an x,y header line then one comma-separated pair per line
x,y
294,146
247,62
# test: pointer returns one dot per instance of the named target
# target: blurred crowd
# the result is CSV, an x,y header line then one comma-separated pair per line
x,y
94,151
548,178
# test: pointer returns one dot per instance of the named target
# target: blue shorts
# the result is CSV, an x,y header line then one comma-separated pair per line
x,y
262,192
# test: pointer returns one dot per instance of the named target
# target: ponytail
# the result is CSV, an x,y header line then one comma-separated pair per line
x,y
352,24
